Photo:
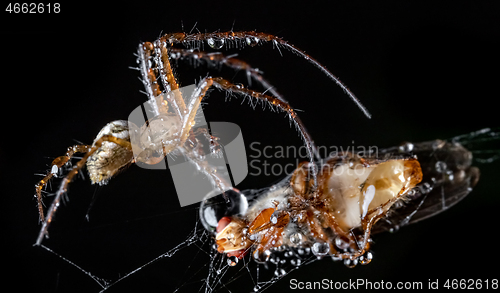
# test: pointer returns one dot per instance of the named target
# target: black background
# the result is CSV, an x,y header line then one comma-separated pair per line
x,y
423,71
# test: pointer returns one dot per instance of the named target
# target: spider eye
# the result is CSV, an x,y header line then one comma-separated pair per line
x,y
214,208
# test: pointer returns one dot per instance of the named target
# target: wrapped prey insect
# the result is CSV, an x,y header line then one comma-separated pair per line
x,y
355,196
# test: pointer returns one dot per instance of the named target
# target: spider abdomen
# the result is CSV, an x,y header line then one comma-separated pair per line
x,y
110,158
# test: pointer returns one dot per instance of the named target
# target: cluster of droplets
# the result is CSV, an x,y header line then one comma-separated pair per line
x,y
215,43
442,168
218,43
344,247
285,259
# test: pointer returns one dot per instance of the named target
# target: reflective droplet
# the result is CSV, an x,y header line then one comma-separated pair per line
x,y
296,262
341,244
261,257
350,263
366,258
54,170
216,206
232,260
440,166
438,144
406,147
274,260
215,43
336,258
394,229
449,175
281,248
218,272
274,217
320,248
252,41
351,163
279,272
425,188
296,238
256,288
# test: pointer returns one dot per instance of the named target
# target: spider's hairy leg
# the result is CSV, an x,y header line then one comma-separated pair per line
x,y
226,85
188,119
161,69
167,77
237,64
148,75
250,38
148,78
217,58
76,168
56,165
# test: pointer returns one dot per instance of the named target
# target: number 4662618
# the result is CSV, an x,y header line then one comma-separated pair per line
x,y
33,8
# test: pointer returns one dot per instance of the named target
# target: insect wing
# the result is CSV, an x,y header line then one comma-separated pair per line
x,y
447,178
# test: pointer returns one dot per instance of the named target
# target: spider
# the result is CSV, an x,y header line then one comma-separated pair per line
x,y
171,128
353,193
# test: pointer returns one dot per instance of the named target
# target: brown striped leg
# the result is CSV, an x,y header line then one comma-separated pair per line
x,y
76,168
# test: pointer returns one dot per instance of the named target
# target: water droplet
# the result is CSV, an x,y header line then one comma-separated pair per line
x,y
281,248
438,144
406,147
256,288
261,257
54,170
450,176
296,238
215,43
320,248
341,244
232,260
274,217
425,188
366,258
274,260
394,229
252,41
336,258
350,263
279,272
218,272
440,166
296,262
216,206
